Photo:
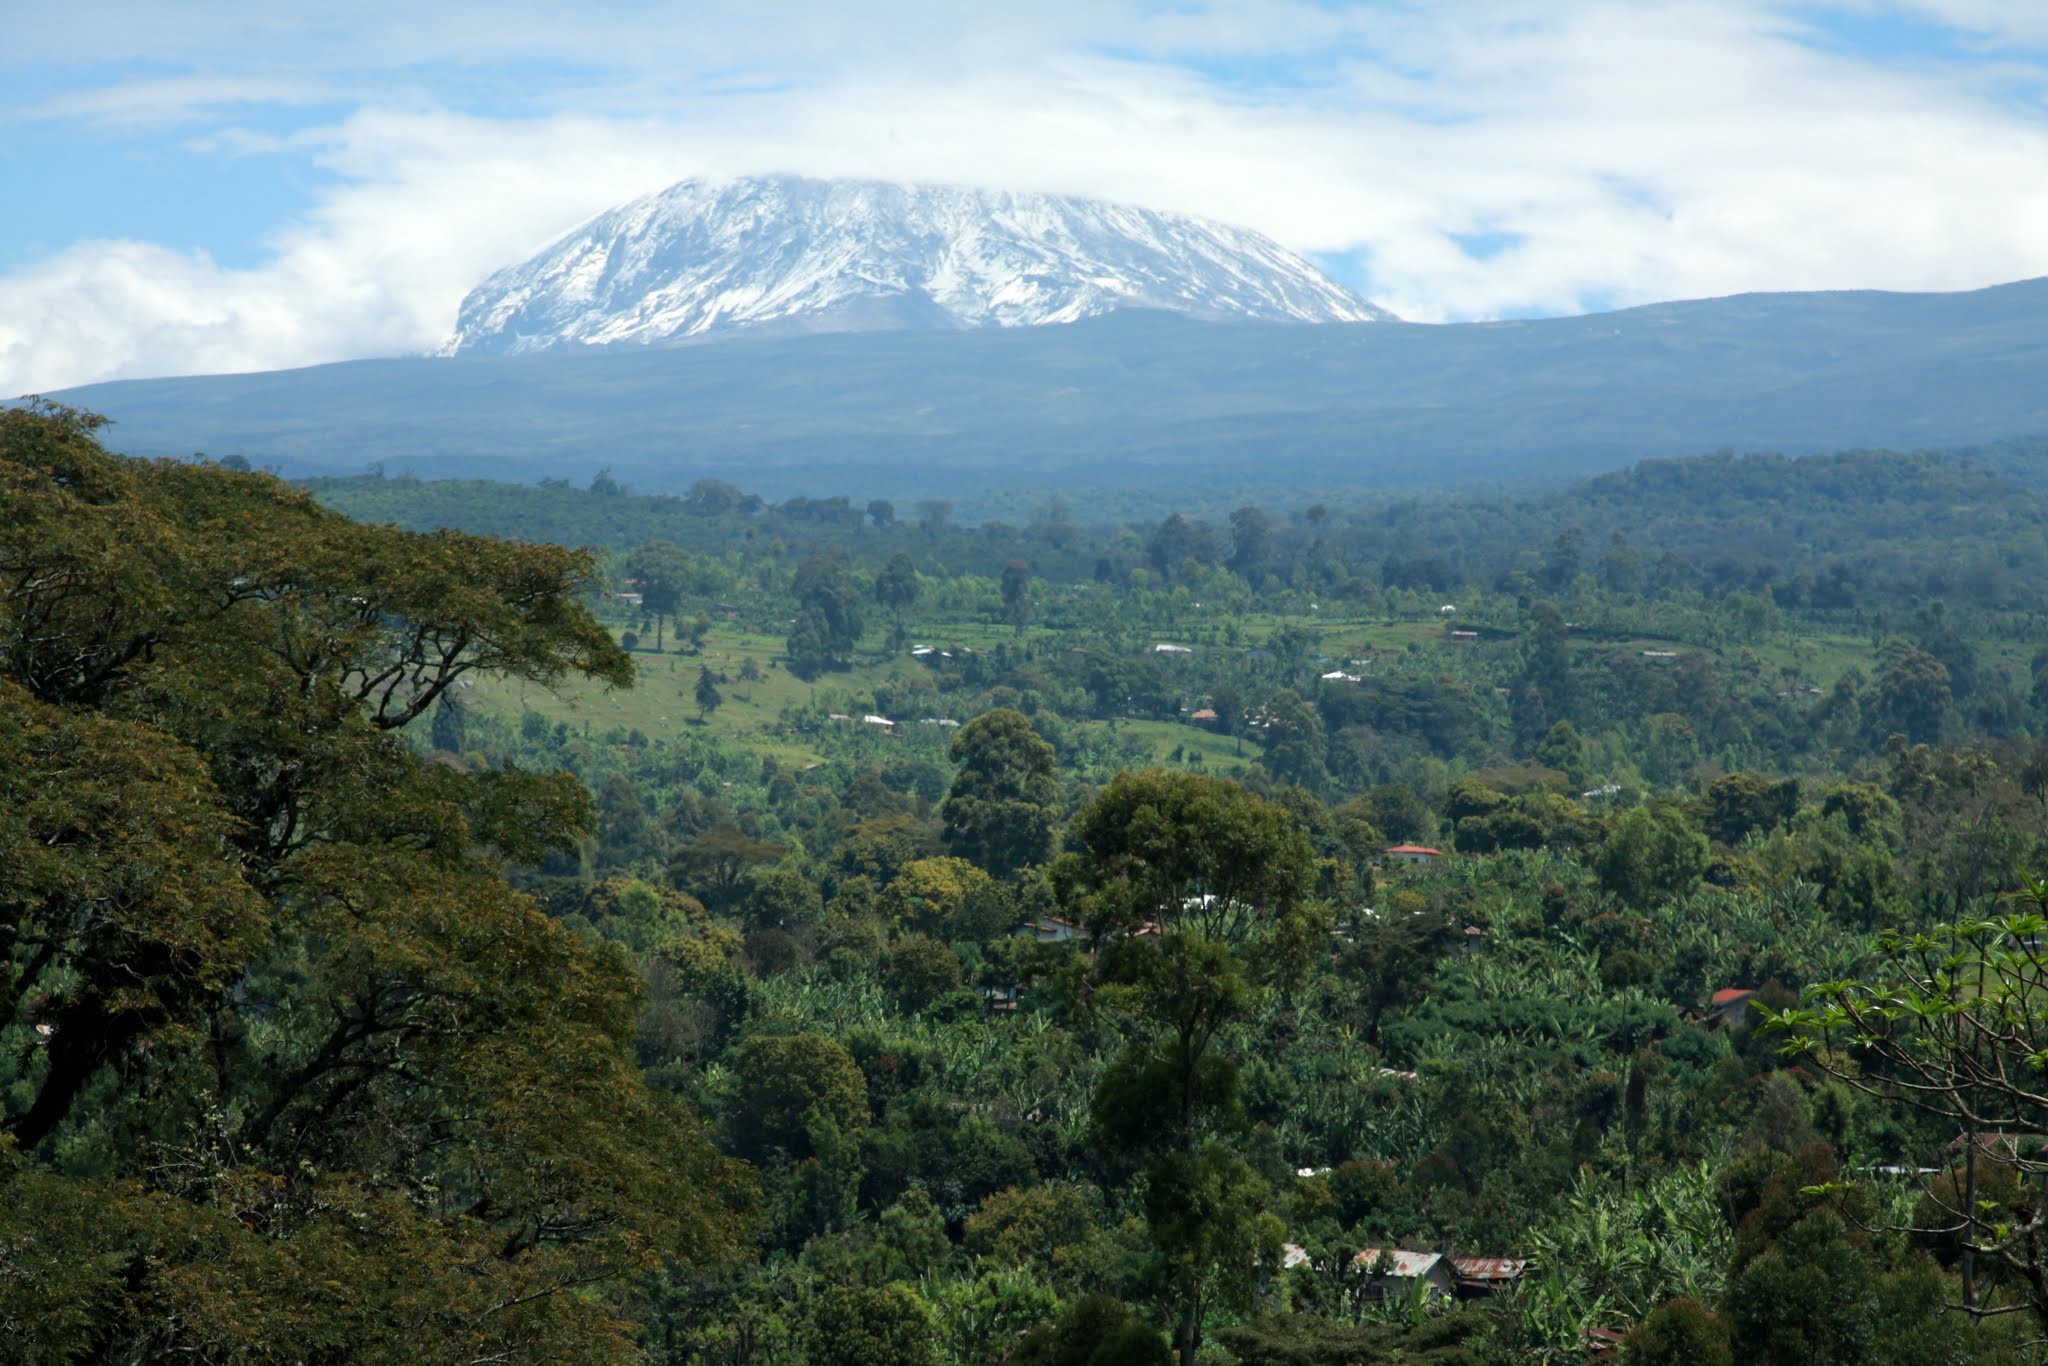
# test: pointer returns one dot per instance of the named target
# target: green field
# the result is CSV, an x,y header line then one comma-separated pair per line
x,y
759,715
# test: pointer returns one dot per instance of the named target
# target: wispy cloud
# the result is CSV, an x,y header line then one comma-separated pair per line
x,y
1459,160
173,99
1989,24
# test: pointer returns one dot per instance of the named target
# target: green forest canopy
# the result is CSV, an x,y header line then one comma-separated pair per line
x,y
388,981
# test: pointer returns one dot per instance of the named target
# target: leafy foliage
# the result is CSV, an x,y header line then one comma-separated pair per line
x,y
1002,807
1048,1002
304,1067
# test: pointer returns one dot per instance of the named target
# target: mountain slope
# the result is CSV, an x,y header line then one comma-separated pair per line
x,y
1151,400
786,255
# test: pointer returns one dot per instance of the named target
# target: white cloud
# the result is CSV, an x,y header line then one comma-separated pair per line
x,y
174,99
430,205
1622,151
1992,23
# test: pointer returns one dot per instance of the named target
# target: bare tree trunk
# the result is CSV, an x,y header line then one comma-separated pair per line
x,y
1970,1225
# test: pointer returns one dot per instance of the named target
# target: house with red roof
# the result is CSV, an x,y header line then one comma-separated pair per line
x,y
1415,855
1729,1009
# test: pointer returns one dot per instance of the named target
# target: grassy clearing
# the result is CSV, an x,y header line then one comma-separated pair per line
x,y
755,714
1218,752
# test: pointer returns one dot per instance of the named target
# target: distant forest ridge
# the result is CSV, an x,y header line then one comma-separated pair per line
x,y
1964,522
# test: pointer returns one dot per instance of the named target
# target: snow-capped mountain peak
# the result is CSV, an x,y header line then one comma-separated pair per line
x,y
785,254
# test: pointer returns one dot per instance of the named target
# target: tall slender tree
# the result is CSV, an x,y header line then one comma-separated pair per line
x,y
662,570
896,587
1004,802
828,620
709,698
1017,594
1224,879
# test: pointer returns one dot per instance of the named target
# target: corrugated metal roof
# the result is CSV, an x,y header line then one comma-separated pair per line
x,y
1998,1140
1406,1264
1489,1268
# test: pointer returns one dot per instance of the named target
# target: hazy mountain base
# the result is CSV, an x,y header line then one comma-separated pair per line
x,y
1150,401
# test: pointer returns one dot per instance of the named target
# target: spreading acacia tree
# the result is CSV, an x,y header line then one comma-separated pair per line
x,y
288,1069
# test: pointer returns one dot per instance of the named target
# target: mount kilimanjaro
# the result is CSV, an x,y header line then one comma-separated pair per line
x,y
785,255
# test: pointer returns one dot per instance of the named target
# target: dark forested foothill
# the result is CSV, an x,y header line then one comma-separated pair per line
x,y
1468,930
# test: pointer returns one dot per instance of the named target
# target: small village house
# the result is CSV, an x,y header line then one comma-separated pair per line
x,y
1050,929
1602,1344
1478,1276
1397,1272
1729,1009
2000,1145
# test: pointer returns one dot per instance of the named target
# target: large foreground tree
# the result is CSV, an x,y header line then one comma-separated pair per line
x,y
1951,1022
287,1070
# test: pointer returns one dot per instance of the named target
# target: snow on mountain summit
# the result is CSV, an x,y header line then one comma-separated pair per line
x,y
791,255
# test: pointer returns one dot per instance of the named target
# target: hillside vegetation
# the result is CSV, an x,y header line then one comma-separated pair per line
x,y
716,930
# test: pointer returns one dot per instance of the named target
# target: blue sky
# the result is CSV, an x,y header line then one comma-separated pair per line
x,y
216,185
